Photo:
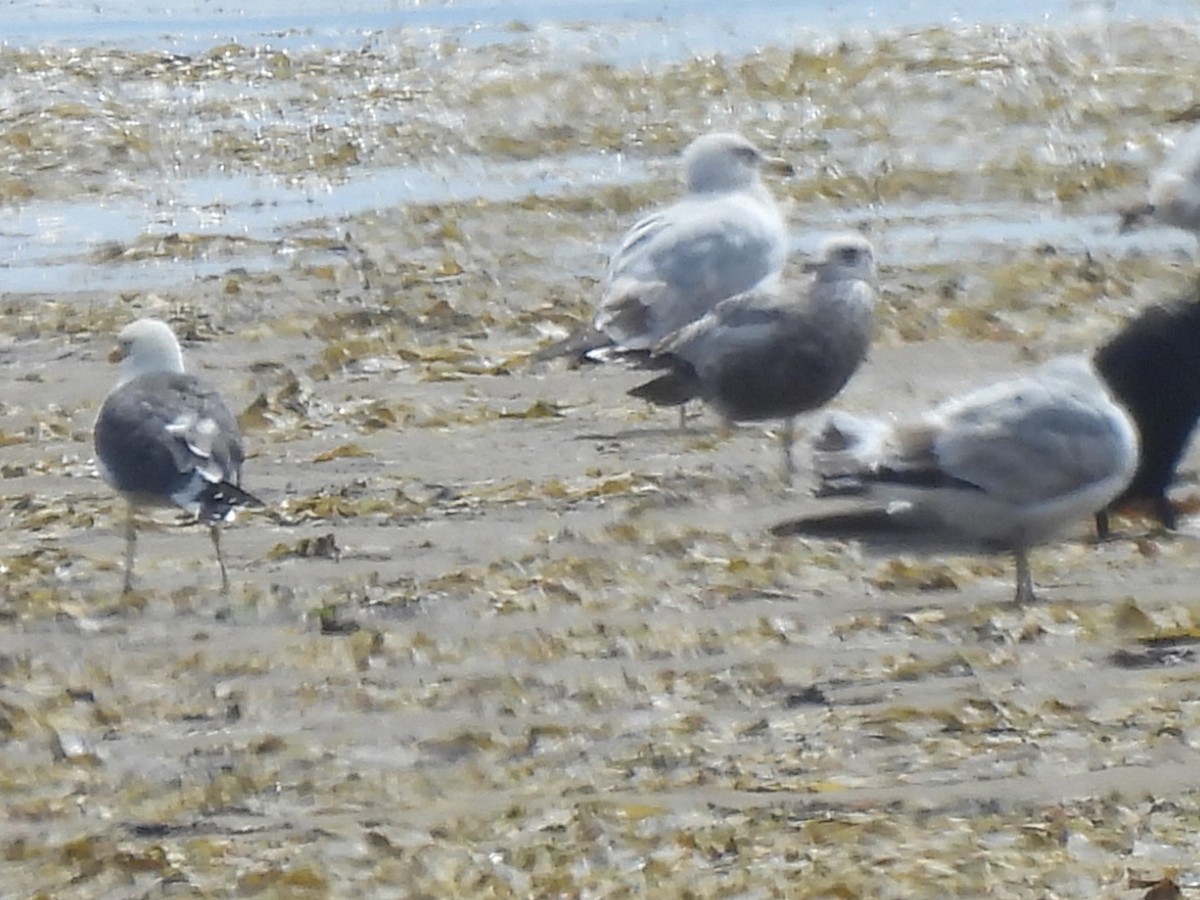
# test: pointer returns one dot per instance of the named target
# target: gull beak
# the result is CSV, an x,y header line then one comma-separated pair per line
x,y
1133,215
116,354
777,165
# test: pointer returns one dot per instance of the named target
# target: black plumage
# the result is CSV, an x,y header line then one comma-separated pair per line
x,y
1152,367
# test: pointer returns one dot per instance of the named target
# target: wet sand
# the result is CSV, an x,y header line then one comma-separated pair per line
x,y
559,651
507,632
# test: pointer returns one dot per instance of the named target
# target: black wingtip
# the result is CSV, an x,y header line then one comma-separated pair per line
x,y
675,388
928,479
840,486
577,347
664,391
222,497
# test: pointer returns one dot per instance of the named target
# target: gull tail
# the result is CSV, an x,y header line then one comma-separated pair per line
x,y
672,389
582,347
847,454
853,454
217,501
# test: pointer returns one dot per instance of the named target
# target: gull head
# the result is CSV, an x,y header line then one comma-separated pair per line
x,y
1174,199
144,346
848,257
723,161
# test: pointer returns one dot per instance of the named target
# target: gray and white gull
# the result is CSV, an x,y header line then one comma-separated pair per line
x,y
166,438
723,237
1007,466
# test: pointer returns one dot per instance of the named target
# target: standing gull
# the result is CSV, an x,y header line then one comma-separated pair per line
x,y
1007,465
1174,194
724,237
164,438
1152,366
766,354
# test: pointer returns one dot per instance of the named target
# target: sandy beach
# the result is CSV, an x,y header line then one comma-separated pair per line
x,y
503,631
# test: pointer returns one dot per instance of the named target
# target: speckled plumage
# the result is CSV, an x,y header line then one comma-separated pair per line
x,y
772,353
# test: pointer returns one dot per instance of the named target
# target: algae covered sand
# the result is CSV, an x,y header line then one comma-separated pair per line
x,y
502,631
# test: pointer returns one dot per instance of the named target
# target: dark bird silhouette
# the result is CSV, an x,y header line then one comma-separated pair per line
x,y
1152,367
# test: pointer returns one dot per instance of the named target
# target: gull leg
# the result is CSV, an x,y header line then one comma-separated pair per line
x,y
1165,512
787,435
130,545
1103,526
683,417
214,532
1025,592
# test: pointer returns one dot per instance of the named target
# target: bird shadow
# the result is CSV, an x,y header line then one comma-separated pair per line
x,y
700,431
652,431
883,531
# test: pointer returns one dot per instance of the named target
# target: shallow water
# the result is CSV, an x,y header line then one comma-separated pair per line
x,y
45,240
693,26
49,239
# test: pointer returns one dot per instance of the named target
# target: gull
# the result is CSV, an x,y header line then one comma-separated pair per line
x,y
165,438
1152,366
774,352
1008,465
722,238
1174,194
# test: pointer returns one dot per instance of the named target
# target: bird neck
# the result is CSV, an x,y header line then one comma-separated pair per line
x,y
164,359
